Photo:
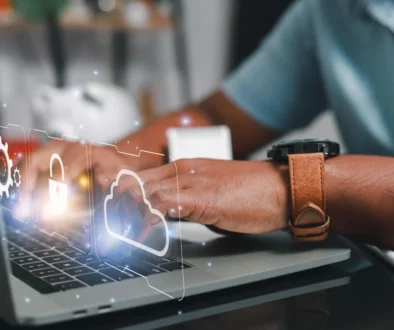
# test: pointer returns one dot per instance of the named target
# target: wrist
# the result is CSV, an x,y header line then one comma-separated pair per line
x,y
153,137
283,194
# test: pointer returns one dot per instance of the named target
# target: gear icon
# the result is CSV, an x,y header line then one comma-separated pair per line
x,y
6,180
3,167
17,179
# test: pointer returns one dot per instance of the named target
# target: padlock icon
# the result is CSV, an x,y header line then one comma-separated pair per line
x,y
57,190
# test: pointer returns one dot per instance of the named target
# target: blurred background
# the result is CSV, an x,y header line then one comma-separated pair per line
x,y
162,54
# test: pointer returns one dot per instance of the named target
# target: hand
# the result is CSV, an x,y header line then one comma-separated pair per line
x,y
105,160
238,196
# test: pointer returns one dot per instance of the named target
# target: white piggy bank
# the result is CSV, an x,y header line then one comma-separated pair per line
x,y
93,112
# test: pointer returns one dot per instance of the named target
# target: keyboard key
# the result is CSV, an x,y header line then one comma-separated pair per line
x,y
58,258
67,264
94,279
21,241
151,270
154,260
146,269
31,280
171,266
46,253
25,260
79,271
54,279
49,240
12,248
97,265
60,244
69,285
86,259
34,247
116,274
35,266
65,249
18,254
46,272
75,254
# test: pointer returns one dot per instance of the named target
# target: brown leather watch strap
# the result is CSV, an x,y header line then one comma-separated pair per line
x,y
309,220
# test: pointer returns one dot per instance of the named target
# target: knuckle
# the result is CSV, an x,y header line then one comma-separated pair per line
x,y
182,164
159,197
185,165
135,194
150,187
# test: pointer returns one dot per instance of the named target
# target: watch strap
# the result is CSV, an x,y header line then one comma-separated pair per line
x,y
309,221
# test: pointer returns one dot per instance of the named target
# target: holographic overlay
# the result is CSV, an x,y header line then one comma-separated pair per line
x,y
61,203
12,149
132,233
144,210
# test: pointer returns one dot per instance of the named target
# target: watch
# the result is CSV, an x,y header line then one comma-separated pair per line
x,y
305,158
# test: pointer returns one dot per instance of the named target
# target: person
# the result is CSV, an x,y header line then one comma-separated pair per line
x,y
323,54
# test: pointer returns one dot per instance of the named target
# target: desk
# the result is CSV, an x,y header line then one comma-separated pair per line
x,y
361,299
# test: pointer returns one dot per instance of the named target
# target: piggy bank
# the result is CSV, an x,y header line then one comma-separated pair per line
x,y
93,112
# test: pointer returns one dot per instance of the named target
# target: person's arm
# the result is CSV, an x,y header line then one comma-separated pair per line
x,y
216,109
254,196
360,197
277,89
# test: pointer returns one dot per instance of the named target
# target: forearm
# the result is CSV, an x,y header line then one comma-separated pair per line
x,y
216,109
360,197
153,136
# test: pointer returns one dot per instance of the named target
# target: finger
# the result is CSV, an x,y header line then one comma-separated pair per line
x,y
196,206
132,181
38,162
163,177
138,218
181,183
108,163
105,177
75,161
153,186
158,173
193,166
190,205
144,232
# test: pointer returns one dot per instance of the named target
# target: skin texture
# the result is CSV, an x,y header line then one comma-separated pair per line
x,y
254,196
215,109
225,194
238,196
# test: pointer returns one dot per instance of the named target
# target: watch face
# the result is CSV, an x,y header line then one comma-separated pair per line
x,y
291,142
281,150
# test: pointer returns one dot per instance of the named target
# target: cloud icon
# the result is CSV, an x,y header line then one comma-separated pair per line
x,y
110,196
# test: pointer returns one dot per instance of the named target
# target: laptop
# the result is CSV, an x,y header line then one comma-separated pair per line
x,y
43,280
96,256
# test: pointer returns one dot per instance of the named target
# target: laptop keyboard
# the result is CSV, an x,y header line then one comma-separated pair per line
x,y
50,265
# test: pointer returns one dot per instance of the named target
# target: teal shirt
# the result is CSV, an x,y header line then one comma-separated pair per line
x,y
325,54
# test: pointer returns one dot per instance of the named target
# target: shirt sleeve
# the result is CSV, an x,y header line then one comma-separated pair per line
x,y
280,85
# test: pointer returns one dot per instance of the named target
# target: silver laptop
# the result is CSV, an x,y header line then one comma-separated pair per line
x,y
43,280
96,255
